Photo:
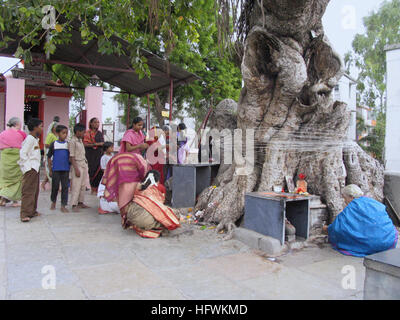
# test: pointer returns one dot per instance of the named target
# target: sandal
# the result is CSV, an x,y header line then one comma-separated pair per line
x,y
37,214
16,205
27,219
64,210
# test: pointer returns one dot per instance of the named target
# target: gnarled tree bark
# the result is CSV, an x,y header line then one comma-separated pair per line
x,y
289,70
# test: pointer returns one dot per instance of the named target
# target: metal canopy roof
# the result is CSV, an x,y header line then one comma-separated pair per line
x,y
113,69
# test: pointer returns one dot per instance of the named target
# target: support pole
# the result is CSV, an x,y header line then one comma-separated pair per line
x,y
129,111
171,95
148,113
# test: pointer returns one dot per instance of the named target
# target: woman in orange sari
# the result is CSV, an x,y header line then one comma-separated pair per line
x,y
140,198
94,141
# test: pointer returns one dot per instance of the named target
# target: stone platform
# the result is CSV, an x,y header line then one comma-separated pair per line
x,y
94,258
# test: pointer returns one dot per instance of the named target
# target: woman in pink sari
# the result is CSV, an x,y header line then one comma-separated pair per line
x,y
133,139
141,204
10,172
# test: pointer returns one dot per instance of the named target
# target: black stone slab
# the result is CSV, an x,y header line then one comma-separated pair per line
x,y
297,212
203,179
266,213
183,187
188,181
265,216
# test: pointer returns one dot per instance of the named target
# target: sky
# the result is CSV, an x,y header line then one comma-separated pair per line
x,y
342,21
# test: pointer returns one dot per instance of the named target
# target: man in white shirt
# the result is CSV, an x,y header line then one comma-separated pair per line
x,y
30,164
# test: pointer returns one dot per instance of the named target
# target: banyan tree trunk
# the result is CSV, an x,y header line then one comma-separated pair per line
x,y
289,71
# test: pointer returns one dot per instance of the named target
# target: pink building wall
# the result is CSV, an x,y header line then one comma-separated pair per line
x,y
14,98
94,104
55,103
56,106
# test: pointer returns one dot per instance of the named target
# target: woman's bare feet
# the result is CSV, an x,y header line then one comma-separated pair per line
x,y
15,204
82,206
101,211
43,185
53,206
64,209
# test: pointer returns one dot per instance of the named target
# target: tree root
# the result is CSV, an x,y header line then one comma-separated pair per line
x,y
227,225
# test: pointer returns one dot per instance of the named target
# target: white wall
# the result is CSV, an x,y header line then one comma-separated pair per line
x,y
347,94
392,141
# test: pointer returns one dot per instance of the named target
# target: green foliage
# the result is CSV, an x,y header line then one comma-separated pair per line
x,y
133,104
220,77
187,33
374,142
71,124
69,77
369,57
360,127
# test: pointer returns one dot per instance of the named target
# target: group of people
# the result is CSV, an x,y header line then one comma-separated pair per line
x,y
125,183
129,184
134,140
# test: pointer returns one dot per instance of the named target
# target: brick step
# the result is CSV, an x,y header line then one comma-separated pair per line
x,y
318,217
316,203
318,206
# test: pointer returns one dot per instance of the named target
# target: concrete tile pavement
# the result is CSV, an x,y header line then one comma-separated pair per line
x,y
94,258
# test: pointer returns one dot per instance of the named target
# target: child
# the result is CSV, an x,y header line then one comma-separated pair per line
x,y
30,164
59,168
183,147
105,206
108,149
50,138
79,168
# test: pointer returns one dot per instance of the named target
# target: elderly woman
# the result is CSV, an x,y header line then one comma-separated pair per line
x,y
10,172
363,227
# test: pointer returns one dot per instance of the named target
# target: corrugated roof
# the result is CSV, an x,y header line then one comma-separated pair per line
x,y
113,69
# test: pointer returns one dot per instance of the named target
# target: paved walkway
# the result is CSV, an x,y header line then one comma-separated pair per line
x,y
94,258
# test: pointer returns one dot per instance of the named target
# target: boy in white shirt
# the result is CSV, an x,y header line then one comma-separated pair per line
x,y
108,149
105,206
30,163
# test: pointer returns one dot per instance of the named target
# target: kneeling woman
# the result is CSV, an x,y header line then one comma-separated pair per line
x,y
363,227
141,204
